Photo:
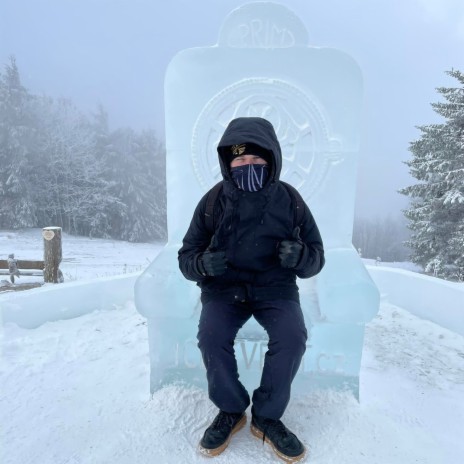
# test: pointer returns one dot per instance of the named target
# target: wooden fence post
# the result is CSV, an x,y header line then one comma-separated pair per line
x,y
52,254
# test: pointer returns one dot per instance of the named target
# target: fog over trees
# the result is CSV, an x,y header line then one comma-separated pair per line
x,y
61,167
382,238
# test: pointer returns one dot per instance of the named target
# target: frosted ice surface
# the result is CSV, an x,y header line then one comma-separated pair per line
x,y
263,66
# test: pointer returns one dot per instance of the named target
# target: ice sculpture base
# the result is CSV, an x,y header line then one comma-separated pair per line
x,y
335,307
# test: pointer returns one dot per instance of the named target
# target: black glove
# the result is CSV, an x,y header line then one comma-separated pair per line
x,y
290,251
212,263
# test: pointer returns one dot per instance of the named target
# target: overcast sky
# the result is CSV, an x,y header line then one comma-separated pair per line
x,y
115,52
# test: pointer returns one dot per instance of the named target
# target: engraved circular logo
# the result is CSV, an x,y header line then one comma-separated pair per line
x,y
48,234
308,150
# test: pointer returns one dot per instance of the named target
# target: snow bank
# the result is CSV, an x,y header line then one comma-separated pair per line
x,y
53,302
427,297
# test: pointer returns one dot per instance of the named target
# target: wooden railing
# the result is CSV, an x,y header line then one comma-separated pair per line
x,y
25,267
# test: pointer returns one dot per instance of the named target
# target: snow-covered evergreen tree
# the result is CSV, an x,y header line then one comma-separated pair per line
x,y
436,213
105,205
148,201
17,144
137,185
67,178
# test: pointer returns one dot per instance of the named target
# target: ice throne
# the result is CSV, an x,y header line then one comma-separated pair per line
x,y
263,66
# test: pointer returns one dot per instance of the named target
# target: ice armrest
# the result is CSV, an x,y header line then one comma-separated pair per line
x,y
346,292
162,290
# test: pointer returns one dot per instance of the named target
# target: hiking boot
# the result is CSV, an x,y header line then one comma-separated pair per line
x,y
217,436
284,443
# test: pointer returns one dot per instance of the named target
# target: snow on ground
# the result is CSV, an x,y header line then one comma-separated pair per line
x,y
76,392
83,257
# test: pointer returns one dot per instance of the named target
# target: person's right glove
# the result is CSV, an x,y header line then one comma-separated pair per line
x,y
212,263
290,251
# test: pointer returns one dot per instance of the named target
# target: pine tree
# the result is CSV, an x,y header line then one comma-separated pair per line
x,y
65,175
436,213
148,204
17,150
104,205
136,183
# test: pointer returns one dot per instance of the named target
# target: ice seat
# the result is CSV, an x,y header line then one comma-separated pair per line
x,y
263,66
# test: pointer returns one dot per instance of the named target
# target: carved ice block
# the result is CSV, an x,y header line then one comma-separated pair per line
x,y
263,66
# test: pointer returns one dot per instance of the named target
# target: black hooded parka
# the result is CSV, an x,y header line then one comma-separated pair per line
x,y
249,227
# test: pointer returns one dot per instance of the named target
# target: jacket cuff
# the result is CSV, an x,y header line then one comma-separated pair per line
x,y
303,258
198,265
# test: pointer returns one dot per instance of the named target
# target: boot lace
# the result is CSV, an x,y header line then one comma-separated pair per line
x,y
224,420
275,429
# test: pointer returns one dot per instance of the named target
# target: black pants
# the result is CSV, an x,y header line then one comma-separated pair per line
x,y
218,326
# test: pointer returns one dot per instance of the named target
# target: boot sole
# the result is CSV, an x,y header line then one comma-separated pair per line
x,y
258,434
216,451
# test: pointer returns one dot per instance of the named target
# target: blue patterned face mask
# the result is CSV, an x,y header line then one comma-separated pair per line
x,y
250,177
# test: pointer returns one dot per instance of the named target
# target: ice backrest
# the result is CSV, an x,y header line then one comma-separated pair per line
x,y
263,66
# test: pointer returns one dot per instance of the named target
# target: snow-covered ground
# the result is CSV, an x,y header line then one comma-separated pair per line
x,y
77,391
83,257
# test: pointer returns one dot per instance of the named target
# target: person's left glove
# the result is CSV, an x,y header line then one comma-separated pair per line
x,y
212,264
290,251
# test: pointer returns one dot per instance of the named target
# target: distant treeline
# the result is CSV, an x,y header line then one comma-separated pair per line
x,y
382,238
60,167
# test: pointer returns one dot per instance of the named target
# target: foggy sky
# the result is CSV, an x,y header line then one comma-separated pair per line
x,y
115,52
